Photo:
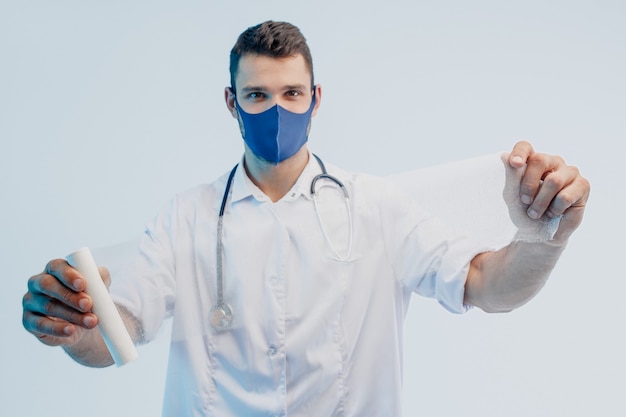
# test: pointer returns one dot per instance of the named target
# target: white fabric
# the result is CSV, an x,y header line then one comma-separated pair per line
x,y
312,336
480,196
110,323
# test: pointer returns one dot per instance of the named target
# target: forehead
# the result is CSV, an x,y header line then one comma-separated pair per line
x,y
269,72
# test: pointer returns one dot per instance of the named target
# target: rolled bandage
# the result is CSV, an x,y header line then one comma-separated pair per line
x,y
110,323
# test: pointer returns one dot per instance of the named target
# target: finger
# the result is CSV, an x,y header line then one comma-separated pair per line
x,y
106,276
559,191
51,287
520,154
48,288
45,326
67,275
538,167
47,330
53,309
572,195
571,219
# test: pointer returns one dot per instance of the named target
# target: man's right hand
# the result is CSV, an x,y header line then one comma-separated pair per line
x,y
56,308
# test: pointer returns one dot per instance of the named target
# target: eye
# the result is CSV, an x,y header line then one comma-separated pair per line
x,y
256,96
293,93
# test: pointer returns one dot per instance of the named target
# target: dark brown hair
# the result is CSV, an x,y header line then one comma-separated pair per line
x,y
273,39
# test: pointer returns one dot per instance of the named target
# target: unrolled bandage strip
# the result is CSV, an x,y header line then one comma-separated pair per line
x,y
480,196
110,323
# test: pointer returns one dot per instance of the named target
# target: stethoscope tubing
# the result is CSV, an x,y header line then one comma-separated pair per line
x,y
222,315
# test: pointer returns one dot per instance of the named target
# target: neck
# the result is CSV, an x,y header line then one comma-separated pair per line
x,y
275,180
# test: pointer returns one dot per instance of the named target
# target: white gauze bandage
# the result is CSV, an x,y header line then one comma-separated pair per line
x,y
110,323
479,196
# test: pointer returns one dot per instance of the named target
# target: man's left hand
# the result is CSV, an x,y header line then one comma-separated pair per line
x,y
551,187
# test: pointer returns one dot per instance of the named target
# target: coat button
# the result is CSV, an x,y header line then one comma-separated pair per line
x,y
272,351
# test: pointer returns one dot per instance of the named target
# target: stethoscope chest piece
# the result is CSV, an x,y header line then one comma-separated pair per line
x,y
221,317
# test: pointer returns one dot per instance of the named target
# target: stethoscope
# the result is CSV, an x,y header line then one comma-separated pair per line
x,y
221,315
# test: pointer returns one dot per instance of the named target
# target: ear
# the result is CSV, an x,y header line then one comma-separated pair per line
x,y
229,97
318,98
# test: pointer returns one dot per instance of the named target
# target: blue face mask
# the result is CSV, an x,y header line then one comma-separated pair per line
x,y
275,134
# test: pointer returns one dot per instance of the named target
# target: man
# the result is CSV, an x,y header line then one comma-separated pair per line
x,y
287,297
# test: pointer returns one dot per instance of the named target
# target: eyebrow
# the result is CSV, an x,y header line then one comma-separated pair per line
x,y
296,87
247,89
250,88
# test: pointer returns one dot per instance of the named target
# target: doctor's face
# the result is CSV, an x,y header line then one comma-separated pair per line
x,y
262,82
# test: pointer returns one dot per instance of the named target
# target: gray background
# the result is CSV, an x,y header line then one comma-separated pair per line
x,y
109,108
